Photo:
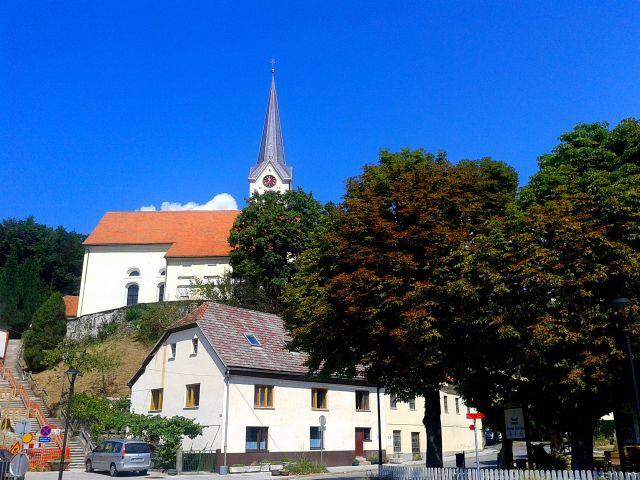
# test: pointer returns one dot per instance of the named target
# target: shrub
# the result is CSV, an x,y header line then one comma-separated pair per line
x,y
304,466
150,321
48,329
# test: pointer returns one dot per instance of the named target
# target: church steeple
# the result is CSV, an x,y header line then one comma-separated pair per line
x,y
271,171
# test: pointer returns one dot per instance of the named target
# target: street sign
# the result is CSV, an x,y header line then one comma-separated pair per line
x,y
44,439
45,431
19,465
15,448
514,423
472,427
475,416
22,427
27,437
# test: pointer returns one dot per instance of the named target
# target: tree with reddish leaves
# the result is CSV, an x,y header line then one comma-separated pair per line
x,y
377,291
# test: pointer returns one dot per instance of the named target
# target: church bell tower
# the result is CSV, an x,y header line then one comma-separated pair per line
x,y
271,173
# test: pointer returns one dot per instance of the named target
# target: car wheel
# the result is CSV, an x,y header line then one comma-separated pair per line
x,y
88,467
113,471
143,472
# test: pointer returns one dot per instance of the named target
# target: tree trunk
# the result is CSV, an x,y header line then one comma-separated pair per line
x,y
433,428
506,454
582,445
555,438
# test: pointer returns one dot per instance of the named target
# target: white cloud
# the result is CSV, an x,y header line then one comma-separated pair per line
x,y
222,201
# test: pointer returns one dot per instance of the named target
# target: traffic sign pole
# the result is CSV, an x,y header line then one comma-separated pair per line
x,y
475,417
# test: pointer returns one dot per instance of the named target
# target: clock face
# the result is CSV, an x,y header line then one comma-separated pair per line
x,y
269,181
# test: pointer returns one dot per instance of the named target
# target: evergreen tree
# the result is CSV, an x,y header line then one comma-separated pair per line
x,y
48,329
9,288
30,291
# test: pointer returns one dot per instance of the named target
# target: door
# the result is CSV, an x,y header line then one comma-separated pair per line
x,y
359,442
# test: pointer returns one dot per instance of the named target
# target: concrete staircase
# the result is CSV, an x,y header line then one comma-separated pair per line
x,y
17,410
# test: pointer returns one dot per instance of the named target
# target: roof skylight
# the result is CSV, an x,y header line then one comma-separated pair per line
x,y
253,341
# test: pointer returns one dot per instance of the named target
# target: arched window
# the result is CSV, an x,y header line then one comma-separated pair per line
x,y
132,294
162,272
161,292
133,272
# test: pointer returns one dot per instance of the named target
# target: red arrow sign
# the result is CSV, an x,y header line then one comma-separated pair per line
x,y
475,416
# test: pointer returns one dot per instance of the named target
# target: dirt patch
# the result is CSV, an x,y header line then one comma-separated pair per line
x,y
50,383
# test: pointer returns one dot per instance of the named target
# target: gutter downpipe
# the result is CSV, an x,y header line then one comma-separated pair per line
x,y
226,416
379,430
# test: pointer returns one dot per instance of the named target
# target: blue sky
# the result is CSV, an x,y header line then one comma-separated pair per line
x,y
115,105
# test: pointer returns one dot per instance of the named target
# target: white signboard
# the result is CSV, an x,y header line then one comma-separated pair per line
x,y
514,423
4,338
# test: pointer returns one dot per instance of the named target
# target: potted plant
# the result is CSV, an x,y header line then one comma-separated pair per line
x,y
238,468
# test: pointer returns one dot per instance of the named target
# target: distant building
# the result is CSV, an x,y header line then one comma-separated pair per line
x,y
144,257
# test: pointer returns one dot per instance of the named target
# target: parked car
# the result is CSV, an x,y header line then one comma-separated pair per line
x,y
491,437
117,455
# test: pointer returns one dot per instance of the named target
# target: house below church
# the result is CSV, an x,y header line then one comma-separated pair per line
x,y
229,369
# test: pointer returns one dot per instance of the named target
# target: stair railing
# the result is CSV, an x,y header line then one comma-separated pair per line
x,y
33,409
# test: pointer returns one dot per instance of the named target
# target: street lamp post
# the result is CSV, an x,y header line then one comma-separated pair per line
x,y
623,302
71,375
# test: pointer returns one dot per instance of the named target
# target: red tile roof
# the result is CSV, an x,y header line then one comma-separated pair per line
x,y
190,233
70,305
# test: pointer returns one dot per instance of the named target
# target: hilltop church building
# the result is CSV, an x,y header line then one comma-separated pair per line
x,y
145,257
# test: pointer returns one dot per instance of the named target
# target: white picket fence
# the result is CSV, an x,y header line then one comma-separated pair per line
x,y
423,473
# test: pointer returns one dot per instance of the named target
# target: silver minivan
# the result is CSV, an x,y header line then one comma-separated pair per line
x,y
118,455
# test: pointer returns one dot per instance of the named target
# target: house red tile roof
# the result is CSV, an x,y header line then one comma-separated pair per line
x,y
189,233
70,305
226,329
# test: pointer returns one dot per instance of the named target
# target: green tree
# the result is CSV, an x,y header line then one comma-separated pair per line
x,y
30,291
47,331
9,293
377,289
543,280
268,235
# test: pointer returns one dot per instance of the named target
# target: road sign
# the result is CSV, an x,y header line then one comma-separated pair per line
x,y
15,448
475,416
19,465
44,439
22,427
27,437
45,431
514,423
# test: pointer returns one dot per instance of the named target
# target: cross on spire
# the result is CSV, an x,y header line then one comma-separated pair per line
x,y
273,65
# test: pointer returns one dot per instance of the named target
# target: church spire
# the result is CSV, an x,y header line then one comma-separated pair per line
x,y
272,146
271,159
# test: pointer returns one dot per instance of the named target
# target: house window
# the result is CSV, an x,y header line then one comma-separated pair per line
x,y
256,439
162,272
133,272
397,445
132,294
393,401
160,292
415,443
172,351
156,400
412,404
315,438
362,400
445,403
253,341
192,399
319,398
457,401
194,346
263,396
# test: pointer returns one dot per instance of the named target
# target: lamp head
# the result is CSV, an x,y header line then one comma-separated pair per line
x,y
72,373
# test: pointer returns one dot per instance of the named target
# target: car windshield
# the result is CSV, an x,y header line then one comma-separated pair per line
x,y
137,448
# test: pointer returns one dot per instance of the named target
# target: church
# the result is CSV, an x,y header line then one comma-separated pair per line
x,y
145,257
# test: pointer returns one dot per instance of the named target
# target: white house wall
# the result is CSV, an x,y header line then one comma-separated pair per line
x,y
174,375
105,275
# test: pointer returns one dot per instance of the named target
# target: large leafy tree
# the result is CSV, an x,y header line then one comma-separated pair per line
x,y
377,288
268,235
541,285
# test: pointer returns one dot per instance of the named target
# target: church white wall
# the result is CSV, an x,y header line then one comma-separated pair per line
x,y
182,272
105,275
258,186
173,375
